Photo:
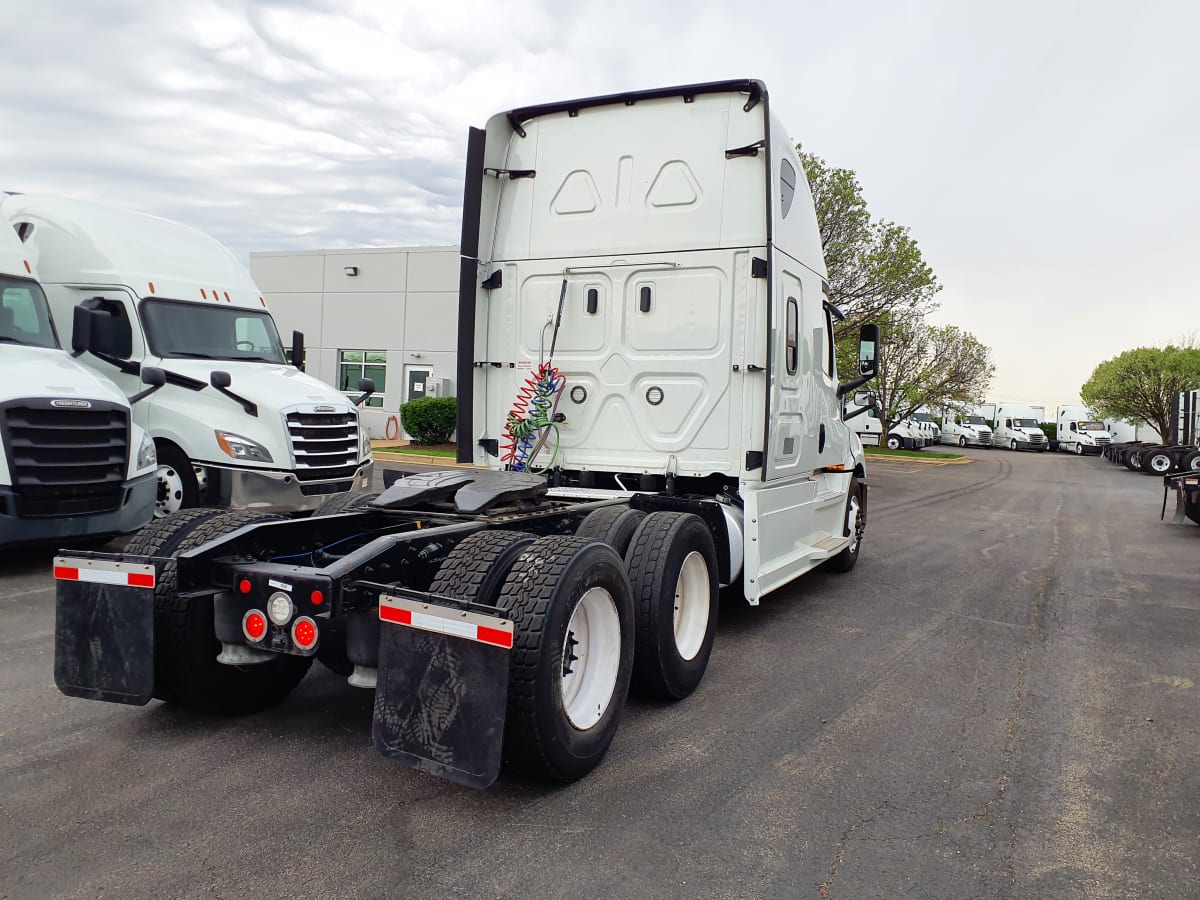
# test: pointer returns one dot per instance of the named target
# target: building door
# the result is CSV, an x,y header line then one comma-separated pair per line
x,y
416,381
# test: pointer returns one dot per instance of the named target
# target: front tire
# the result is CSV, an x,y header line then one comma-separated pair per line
x,y
855,525
893,442
1013,445
962,442
672,565
566,689
178,487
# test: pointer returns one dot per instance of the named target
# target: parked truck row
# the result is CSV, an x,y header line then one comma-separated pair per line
x,y
1179,453
232,424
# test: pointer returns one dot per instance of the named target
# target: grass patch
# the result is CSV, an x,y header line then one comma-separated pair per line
x,y
916,454
418,451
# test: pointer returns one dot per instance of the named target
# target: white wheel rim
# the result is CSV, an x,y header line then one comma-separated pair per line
x,y
962,442
591,658
692,597
1079,449
170,491
1160,464
201,474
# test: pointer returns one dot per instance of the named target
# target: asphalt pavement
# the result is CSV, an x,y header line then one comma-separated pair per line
x,y
999,701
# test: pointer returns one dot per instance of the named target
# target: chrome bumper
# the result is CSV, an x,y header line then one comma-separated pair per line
x,y
278,491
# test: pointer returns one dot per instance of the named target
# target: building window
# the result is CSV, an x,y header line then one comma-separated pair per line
x,y
356,364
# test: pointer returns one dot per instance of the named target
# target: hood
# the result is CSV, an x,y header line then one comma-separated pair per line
x,y
275,385
43,372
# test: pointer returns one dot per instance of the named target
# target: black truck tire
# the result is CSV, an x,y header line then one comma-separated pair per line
x,y
186,671
614,525
672,565
477,568
555,580
345,502
854,525
1191,462
1158,462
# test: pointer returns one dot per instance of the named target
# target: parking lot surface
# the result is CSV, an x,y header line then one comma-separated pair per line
x,y
1000,700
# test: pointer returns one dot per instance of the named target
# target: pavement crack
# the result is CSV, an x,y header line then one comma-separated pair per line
x,y
840,855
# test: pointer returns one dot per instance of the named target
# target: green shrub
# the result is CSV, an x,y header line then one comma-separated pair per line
x,y
1051,430
429,420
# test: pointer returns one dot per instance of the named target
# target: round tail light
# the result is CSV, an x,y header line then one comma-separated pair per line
x,y
254,626
304,633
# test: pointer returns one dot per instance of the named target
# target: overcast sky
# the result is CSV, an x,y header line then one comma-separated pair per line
x,y
1046,155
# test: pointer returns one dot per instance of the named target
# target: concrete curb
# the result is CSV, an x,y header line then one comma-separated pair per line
x,y
928,461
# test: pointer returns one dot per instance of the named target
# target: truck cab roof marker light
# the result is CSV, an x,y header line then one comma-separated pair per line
x,y
151,284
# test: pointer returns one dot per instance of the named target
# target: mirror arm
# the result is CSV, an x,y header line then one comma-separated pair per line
x,y
846,387
857,412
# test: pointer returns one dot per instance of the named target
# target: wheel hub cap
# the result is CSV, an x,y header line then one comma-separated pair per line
x,y
692,597
591,658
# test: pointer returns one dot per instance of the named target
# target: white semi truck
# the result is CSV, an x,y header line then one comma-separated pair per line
x,y
966,429
903,435
647,373
235,425
1018,428
72,463
1079,432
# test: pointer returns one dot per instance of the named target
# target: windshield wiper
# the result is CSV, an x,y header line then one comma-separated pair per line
x,y
257,359
5,339
190,355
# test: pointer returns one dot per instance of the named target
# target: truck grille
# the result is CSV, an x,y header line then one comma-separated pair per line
x,y
1037,439
325,445
65,461
1103,441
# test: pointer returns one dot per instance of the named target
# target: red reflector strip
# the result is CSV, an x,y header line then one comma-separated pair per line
x,y
139,575
442,620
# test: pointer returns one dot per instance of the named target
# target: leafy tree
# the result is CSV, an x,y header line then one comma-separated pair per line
x,y
926,366
875,268
1140,385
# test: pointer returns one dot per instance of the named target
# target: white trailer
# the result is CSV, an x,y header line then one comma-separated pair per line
x,y
1079,432
1018,428
72,463
235,425
646,366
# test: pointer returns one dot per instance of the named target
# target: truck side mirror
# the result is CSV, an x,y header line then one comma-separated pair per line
x,y
868,350
91,330
367,386
154,378
220,380
298,350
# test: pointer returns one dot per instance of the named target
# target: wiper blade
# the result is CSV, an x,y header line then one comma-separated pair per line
x,y
257,359
5,339
189,355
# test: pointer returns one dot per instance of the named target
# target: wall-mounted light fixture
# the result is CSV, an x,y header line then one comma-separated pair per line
x,y
351,271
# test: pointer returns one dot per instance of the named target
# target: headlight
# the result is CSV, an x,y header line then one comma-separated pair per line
x,y
242,448
147,458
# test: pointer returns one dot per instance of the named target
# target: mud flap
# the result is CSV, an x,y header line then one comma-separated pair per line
x,y
104,629
442,687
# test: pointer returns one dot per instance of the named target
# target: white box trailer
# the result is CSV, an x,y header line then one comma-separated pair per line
x,y
72,463
647,373
235,425
1080,432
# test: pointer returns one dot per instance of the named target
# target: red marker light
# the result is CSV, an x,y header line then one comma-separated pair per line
x,y
254,626
317,598
304,633
244,586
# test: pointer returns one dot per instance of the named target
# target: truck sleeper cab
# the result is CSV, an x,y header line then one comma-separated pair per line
x,y
235,425
966,430
72,463
1017,428
648,381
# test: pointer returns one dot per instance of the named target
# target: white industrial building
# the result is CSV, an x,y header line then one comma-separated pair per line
x,y
390,314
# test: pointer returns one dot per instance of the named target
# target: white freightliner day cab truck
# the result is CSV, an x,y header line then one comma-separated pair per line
x,y
646,369
1080,434
235,424
862,409
72,463
1017,428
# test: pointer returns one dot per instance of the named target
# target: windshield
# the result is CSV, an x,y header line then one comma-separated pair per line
x,y
923,417
1025,423
24,315
200,331
975,420
1091,426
